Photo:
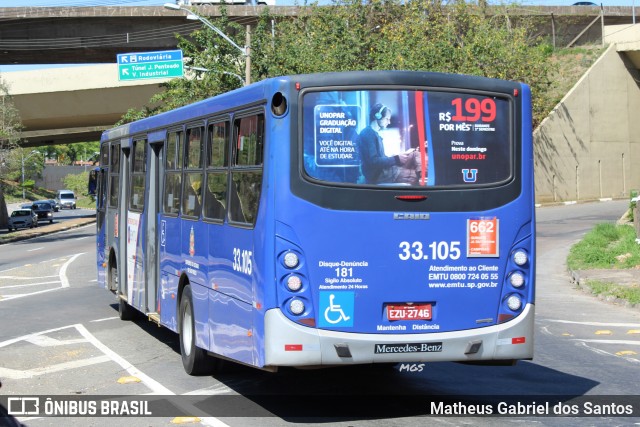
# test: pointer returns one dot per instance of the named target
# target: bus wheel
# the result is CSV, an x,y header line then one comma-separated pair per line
x,y
125,311
194,359
113,277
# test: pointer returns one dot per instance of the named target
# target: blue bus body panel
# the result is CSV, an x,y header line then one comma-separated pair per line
x,y
359,262
360,266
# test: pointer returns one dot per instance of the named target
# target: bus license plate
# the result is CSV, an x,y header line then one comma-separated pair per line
x,y
409,312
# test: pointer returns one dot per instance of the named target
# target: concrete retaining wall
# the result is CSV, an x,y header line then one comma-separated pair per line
x,y
589,146
52,176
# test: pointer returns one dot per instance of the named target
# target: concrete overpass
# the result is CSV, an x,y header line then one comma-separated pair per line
x,y
74,104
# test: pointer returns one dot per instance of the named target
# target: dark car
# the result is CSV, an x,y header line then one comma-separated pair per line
x,y
54,205
584,3
43,210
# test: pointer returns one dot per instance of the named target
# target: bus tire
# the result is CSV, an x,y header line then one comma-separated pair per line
x,y
125,311
113,277
194,359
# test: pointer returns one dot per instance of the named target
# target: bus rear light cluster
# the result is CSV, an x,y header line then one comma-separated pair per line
x,y
296,307
520,257
294,283
516,279
294,294
514,302
291,260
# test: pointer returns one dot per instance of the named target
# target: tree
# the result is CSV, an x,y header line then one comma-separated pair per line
x,y
410,35
10,128
456,37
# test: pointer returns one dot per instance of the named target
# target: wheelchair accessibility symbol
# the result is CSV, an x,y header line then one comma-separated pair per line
x,y
336,309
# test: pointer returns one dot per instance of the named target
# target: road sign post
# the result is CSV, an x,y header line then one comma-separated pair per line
x,y
150,65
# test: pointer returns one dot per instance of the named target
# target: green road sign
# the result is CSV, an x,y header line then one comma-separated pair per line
x,y
150,65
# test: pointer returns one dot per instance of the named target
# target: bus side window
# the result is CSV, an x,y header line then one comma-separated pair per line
x,y
136,194
246,172
173,176
114,175
215,196
192,193
172,192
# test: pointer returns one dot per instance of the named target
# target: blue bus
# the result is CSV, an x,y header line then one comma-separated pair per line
x,y
328,219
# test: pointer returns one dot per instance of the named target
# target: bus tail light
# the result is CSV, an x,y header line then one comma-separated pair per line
x,y
294,283
294,291
514,302
516,279
520,257
291,260
296,307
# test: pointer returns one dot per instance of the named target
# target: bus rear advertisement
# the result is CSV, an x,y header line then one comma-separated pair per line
x,y
328,219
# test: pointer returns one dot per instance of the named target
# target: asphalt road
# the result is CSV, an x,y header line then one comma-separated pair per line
x,y
61,336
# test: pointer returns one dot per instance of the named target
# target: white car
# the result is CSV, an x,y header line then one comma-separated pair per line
x,y
22,218
66,199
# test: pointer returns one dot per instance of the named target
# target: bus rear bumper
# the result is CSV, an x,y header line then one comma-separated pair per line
x,y
290,344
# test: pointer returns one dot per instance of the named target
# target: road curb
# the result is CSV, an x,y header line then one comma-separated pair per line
x,y
581,283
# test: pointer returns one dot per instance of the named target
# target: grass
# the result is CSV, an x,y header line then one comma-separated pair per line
x,y
611,290
608,246
569,65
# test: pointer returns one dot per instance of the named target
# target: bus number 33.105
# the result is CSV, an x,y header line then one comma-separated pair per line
x,y
435,250
242,260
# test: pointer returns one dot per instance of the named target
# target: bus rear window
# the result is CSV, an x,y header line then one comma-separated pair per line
x,y
408,138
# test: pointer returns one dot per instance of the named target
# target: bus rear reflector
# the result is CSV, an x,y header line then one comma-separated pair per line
x,y
411,198
293,347
518,340
309,321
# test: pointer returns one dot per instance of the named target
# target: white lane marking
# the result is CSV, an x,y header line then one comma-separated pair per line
x,y
10,297
57,259
156,387
64,281
32,336
35,249
132,370
105,319
213,390
63,270
606,353
624,342
26,278
624,325
16,374
46,341
29,284
545,330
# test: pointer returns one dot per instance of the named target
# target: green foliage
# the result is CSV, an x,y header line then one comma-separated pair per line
x,y
77,183
407,35
364,35
606,246
66,154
